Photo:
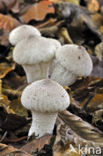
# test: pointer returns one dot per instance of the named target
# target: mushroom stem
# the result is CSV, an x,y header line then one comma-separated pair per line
x,y
36,71
55,72
42,123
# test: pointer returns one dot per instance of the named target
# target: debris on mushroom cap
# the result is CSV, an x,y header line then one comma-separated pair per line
x,y
34,50
45,96
75,59
21,32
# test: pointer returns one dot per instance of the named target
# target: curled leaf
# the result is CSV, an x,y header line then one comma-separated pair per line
x,y
82,128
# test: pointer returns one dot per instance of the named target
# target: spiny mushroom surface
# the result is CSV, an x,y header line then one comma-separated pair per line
x,y
22,32
35,54
70,62
45,98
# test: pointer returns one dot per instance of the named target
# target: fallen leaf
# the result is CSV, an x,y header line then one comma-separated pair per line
x,y
76,2
94,103
36,144
97,20
8,120
4,38
101,29
18,108
5,103
82,128
93,5
80,27
10,150
8,23
99,51
38,11
14,81
5,68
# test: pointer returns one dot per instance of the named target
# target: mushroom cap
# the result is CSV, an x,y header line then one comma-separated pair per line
x,y
45,96
75,59
55,42
22,32
34,50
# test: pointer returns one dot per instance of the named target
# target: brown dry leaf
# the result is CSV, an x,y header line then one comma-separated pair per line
x,y
93,5
38,11
10,150
83,129
8,118
32,146
97,19
7,22
76,2
11,92
101,29
80,24
5,103
14,81
5,68
6,140
4,38
94,103
18,108
99,51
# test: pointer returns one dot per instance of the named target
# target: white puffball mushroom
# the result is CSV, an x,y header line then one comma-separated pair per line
x,y
22,32
35,55
45,98
70,62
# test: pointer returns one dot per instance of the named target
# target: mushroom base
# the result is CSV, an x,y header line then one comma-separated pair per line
x,y
60,74
36,72
42,123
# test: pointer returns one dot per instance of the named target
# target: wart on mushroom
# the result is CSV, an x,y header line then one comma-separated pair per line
x,y
22,32
70,62
44,98
35,54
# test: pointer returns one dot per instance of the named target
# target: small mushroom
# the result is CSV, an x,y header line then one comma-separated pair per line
x,y
70,62
45,98
22,32
35,54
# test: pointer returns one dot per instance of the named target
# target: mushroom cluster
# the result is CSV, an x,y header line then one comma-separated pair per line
x,y
47,65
